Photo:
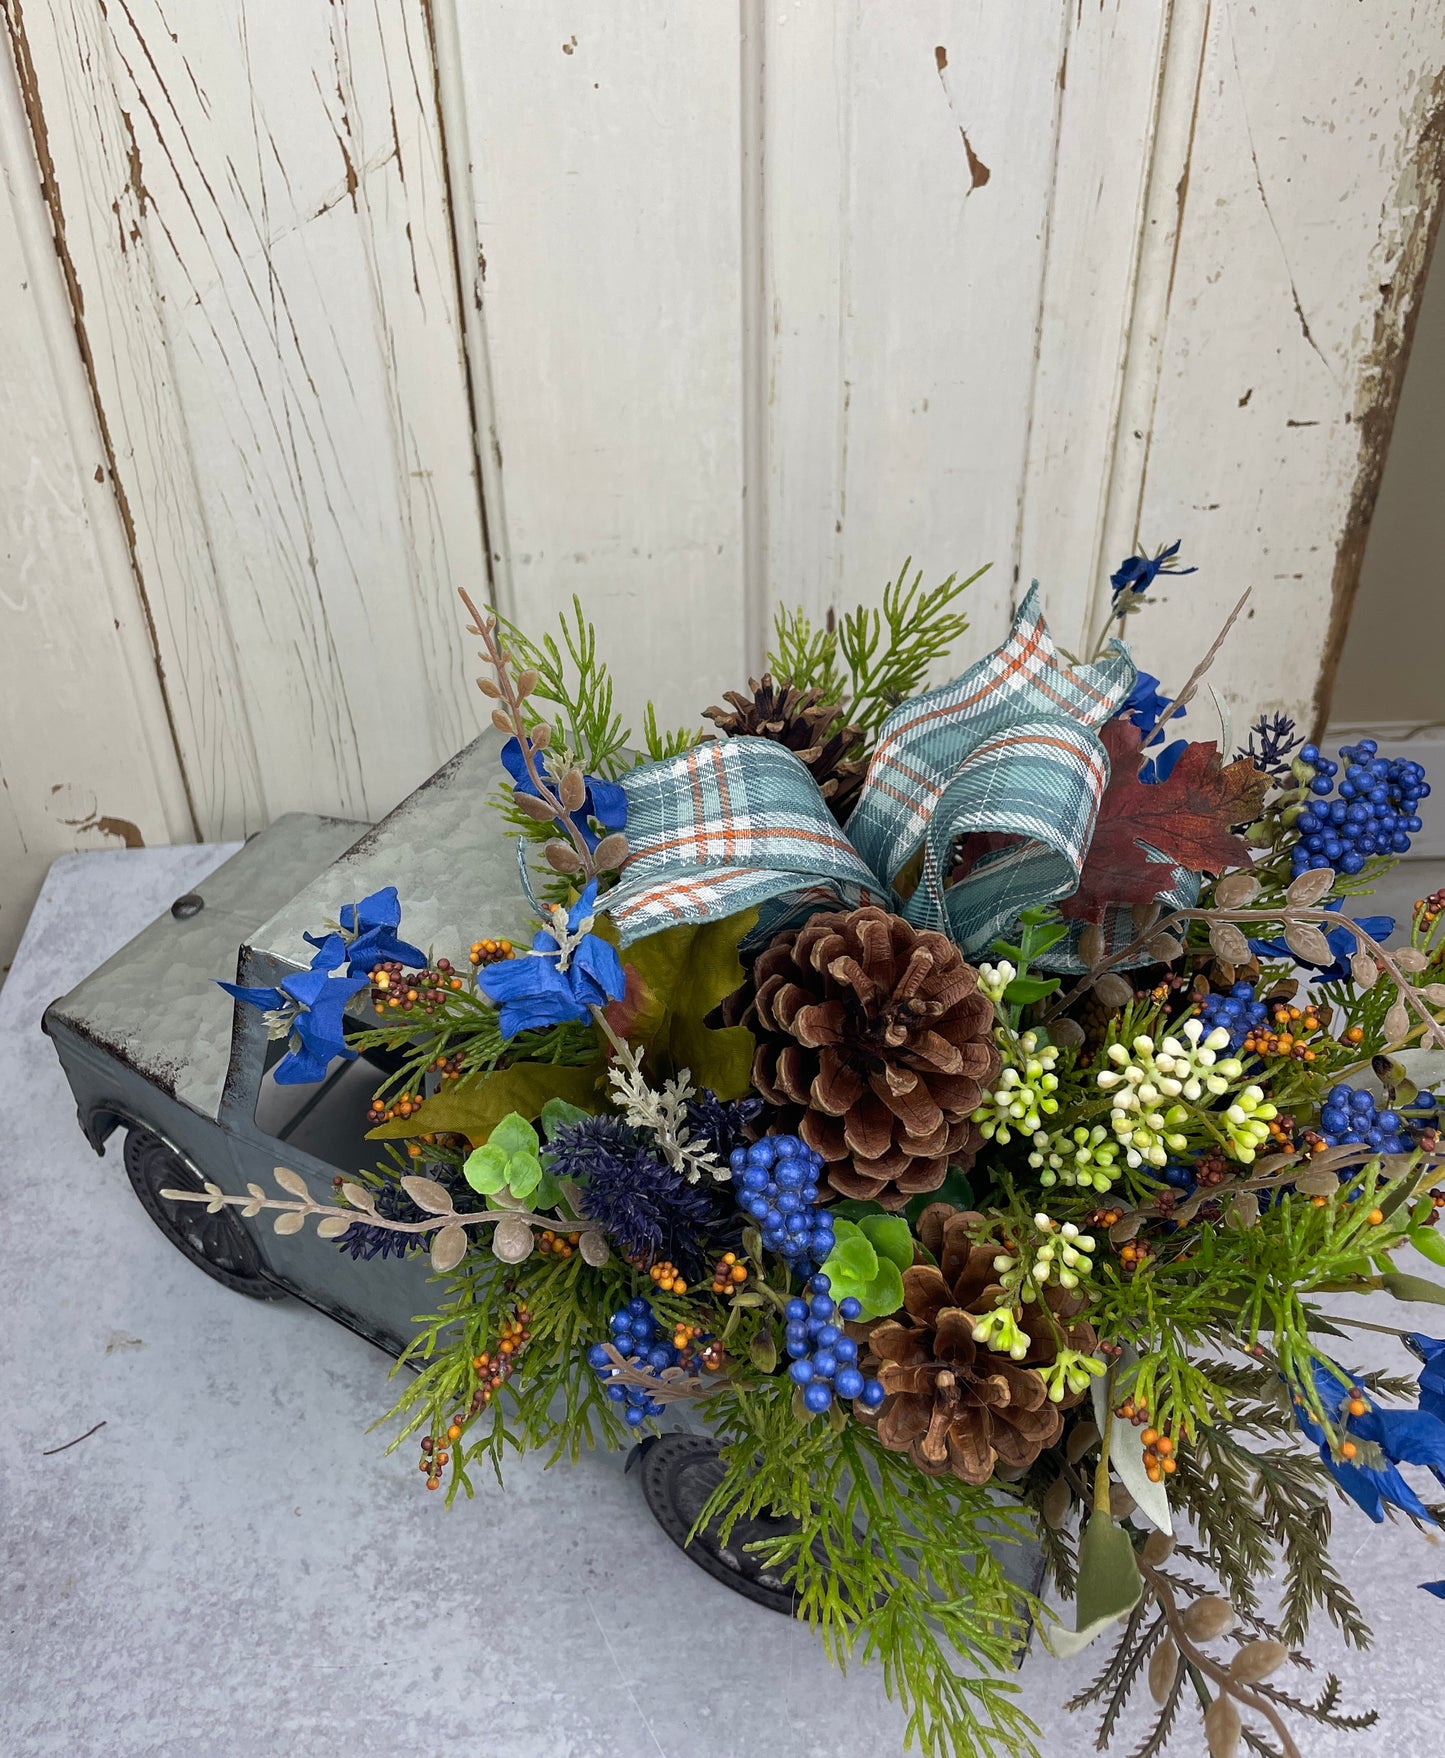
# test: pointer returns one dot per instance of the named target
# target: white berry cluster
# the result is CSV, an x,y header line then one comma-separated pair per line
x,y
1025,1092
1147,1084
1082,1155
1062,1255
993,979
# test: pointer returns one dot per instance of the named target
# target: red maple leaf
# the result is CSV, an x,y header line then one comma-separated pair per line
x,y
1185,817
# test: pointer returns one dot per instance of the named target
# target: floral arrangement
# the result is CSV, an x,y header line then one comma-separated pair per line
x,y
965,1097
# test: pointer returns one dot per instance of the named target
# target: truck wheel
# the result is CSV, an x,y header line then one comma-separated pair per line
x,y
218,1243
679,1472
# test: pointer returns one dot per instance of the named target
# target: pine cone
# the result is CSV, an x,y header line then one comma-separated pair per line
x,y
808,726
875,1046
952,1404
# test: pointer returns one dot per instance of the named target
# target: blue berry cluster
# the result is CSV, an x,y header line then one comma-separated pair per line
x,y
825,1362
635,1337
1238,1012
1372,814
776,1182
1349,1115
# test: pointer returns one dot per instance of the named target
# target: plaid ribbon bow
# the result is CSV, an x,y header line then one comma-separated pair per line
x,y
1010,747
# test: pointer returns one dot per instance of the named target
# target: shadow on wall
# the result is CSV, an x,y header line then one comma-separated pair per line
x,y
1390,674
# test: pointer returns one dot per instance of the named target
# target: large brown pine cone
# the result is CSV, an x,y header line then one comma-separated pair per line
x,y
810,728
875,1046
952,1404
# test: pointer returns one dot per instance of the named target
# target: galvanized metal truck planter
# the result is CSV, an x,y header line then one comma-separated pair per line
x,y
189,1085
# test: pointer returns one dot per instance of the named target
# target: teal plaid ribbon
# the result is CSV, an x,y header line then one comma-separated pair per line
x,y
1011,747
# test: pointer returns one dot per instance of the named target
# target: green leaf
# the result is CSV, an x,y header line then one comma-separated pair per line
x,y
679,977
475,1111
557,1114
548,1194
524,1174
1405,1287
890,1237
485,1169
1429,1244
514,1135
1024,990
883,1296
763,1351
852,1262
1109,1580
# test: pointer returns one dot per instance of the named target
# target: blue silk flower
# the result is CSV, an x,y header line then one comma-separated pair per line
x,y
318,997
567,973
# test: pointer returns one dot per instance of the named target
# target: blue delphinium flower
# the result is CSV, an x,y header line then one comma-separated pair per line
x,y
568,971
1139,572
1144,707
647,1208
604,800
1342,944
1431,1351
369,930
1380,1441
309,1008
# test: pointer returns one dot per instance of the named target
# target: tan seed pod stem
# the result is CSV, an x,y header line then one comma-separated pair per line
x,y
290,1181
561,857
1229,943
533,807
1257,1660
449,1247
1158,1548
1164,948
1434,993
610,853
1363,970
289,1221
1397,1022
1309,887
572,790
1058,1499
489,689
1207,1618
1163,1670
1222,1728
427,1194
1112,990
1236,891
527,681
540,735
502,721
1308,943
1411,960
1091,944
332,1226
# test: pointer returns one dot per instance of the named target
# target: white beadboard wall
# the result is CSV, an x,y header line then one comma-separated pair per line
x,y
316,312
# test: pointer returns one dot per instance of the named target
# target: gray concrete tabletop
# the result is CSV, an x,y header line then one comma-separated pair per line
x,y
232,1567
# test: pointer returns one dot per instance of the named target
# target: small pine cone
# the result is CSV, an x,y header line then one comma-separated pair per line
x,y
875,1046
954,1405
812,729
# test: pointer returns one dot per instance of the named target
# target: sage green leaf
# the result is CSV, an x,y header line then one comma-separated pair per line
x,y
548,1194
1405,1287
763,1351
890,1237
1109,1581
1126,1449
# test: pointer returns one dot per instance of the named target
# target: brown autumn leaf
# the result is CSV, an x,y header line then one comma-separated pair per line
x,y
1186,817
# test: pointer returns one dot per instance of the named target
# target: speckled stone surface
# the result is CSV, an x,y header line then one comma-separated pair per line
x,y
232,1568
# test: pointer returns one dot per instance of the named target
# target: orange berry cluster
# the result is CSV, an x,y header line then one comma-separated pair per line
x,y
491,952
557,1244
668,1278
398,990
403,1105
1159,1460
1133,1255
1105,1217
1291,1026
728,1273
1353,1035
1428,910
492,1370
